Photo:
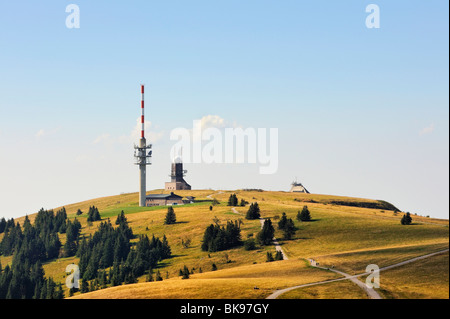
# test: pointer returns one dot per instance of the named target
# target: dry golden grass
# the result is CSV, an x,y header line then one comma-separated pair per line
x,y
344,289
356,262
423,279
348,237
235,283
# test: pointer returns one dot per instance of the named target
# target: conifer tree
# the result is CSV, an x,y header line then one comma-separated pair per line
x,y
406,219
279,255
282,222
289,229
185,273
233,200
84,286
149,277
253,211
304,215
170,216
265,236
158,276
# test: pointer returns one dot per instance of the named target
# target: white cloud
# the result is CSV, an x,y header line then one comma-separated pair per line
x,y
151,135
208,121
42,132
102,138
427,130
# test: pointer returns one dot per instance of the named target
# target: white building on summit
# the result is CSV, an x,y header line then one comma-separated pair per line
x,y
298,188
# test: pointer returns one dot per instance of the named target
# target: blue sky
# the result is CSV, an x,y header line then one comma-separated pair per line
x,y
360,112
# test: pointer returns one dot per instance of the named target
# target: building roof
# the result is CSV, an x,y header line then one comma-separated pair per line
x,y
162,196
298,188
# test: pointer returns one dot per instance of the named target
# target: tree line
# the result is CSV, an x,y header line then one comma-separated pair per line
x,y
108,248
31,245
111,248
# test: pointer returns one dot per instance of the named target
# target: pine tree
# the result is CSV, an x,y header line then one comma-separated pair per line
x,y
84,286
289,229
282,222
93,214
170,216
158,276
149,277
121,219
185,273
2,225
406,219
253,211
233,200
59,293
269,257
304,215
265,236
279,255
213,267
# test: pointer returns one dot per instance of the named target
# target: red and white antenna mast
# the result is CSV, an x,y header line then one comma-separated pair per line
x,y
142,112
142,158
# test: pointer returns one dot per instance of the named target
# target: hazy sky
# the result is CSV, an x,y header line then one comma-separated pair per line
x,y
360,112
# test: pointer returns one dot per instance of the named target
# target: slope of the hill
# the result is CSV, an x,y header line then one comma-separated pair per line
x,y
345,232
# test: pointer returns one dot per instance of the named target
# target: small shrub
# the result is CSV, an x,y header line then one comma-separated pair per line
x,y
250,244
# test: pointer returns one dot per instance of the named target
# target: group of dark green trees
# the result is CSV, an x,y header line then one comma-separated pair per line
x,y
253,212
218,238
406,219
270,257
106,258
93,214
110,248
31,245
234,201
287,226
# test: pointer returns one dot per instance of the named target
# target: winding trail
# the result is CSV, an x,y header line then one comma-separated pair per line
x,y
370,291
274,240
210,196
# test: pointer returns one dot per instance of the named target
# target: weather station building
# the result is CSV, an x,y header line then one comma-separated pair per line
x,y
177,181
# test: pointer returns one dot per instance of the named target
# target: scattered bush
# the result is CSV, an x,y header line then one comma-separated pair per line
x,y
250,244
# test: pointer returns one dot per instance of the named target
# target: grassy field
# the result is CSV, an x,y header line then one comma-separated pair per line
x,y
349,236
233,283
423,279
334,290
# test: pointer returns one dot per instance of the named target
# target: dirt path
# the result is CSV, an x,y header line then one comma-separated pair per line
x,y
370,291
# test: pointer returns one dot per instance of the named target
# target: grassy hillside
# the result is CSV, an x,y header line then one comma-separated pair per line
x,y
233,283
346,232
